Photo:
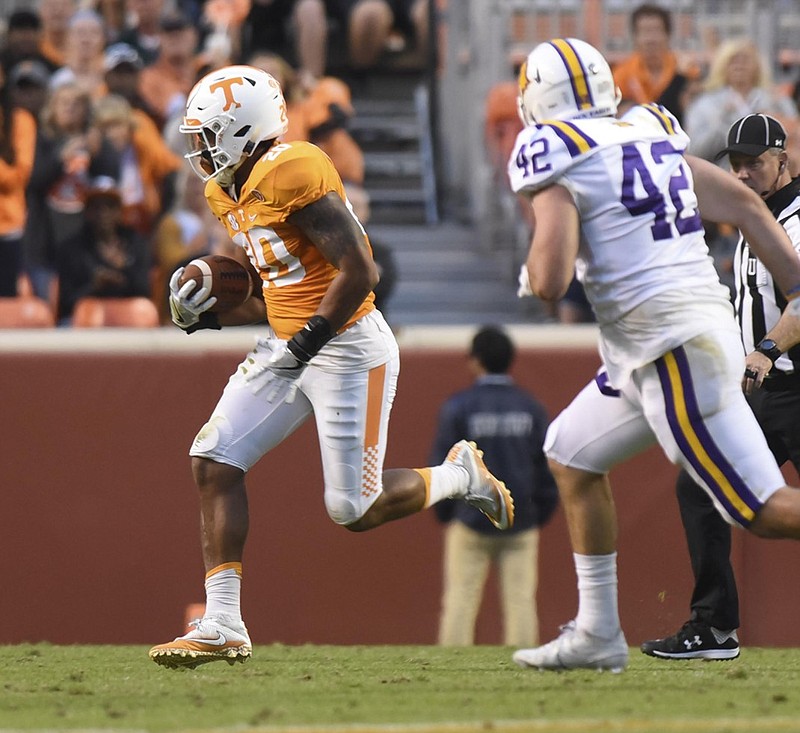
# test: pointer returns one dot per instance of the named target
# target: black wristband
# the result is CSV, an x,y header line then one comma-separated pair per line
x,y
307,342
206,320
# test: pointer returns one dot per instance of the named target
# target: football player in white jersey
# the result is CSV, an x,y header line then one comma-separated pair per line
x,y
617,200
326,350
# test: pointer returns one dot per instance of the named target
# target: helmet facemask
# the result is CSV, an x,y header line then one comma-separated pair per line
x,y
205,154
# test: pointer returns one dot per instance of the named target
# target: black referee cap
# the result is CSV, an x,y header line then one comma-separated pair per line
x,y
753,135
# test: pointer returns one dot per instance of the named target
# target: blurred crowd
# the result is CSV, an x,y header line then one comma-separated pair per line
x,y
95,201
706,94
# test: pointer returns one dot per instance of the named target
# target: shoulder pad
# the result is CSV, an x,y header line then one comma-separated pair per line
x,y
292,175
544,152
654,115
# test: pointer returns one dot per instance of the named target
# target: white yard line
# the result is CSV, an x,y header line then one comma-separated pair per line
x,y
537,725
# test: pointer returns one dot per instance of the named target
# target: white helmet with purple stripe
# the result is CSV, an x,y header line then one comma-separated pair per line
x,y
566,79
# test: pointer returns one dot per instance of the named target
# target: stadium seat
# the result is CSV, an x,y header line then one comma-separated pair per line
x,y
25,311
115,312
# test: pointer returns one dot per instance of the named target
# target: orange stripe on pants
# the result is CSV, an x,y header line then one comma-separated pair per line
x,y
372,429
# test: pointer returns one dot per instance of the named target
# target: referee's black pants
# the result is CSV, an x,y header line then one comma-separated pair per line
x,y
715,600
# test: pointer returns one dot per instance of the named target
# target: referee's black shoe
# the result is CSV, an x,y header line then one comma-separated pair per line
x,y
695,640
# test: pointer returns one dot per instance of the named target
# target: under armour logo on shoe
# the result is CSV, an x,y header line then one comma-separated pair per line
x,y
689,643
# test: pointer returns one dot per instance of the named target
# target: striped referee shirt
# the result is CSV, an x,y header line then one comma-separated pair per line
x,y
757,300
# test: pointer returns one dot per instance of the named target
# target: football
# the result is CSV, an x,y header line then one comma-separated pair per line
x,y
226,278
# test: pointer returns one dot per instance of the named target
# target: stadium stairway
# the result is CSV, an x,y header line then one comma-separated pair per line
x,y
445,274
391,127
444,277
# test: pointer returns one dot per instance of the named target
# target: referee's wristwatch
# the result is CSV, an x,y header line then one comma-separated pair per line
x,y
770,349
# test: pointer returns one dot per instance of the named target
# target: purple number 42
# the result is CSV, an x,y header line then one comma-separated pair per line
x,y
654,200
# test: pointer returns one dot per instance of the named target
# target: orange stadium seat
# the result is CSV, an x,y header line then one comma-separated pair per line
x,y
120,312
25,311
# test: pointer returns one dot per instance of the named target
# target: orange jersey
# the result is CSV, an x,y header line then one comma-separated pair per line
x,y
14,177
638,84
295,275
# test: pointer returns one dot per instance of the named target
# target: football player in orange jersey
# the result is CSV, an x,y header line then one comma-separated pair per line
x,y
326,351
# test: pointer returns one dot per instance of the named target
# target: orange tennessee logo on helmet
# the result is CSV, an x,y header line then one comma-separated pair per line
x,y
226,86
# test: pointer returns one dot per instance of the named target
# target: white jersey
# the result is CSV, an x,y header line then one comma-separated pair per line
x,y
643,259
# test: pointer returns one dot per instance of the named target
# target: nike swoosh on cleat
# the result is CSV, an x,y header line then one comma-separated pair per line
x,y
219,641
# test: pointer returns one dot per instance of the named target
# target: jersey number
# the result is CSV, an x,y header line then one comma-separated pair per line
x,y
282,268
538,150
668,213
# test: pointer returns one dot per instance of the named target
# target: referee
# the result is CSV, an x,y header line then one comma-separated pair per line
x,y
757,154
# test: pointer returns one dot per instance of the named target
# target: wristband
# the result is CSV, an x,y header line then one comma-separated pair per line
x,y
205,320
793,293
307,342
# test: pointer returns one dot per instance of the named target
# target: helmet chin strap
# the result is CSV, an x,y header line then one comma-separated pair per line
x,y
225,177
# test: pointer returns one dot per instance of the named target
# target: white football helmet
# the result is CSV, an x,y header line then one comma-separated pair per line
x,y
566,79
228,113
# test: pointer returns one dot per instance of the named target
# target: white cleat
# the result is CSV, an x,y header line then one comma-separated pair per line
x,y
211,639
485,492
575,649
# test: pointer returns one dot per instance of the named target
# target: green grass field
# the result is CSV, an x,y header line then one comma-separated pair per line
x,y
393,689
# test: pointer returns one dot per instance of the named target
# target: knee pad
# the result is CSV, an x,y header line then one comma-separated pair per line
x,y
340,508
215,434
343,500
347,504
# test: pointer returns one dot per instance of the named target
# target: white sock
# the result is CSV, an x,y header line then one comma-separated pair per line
x,y
447,481
598,613
223,591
